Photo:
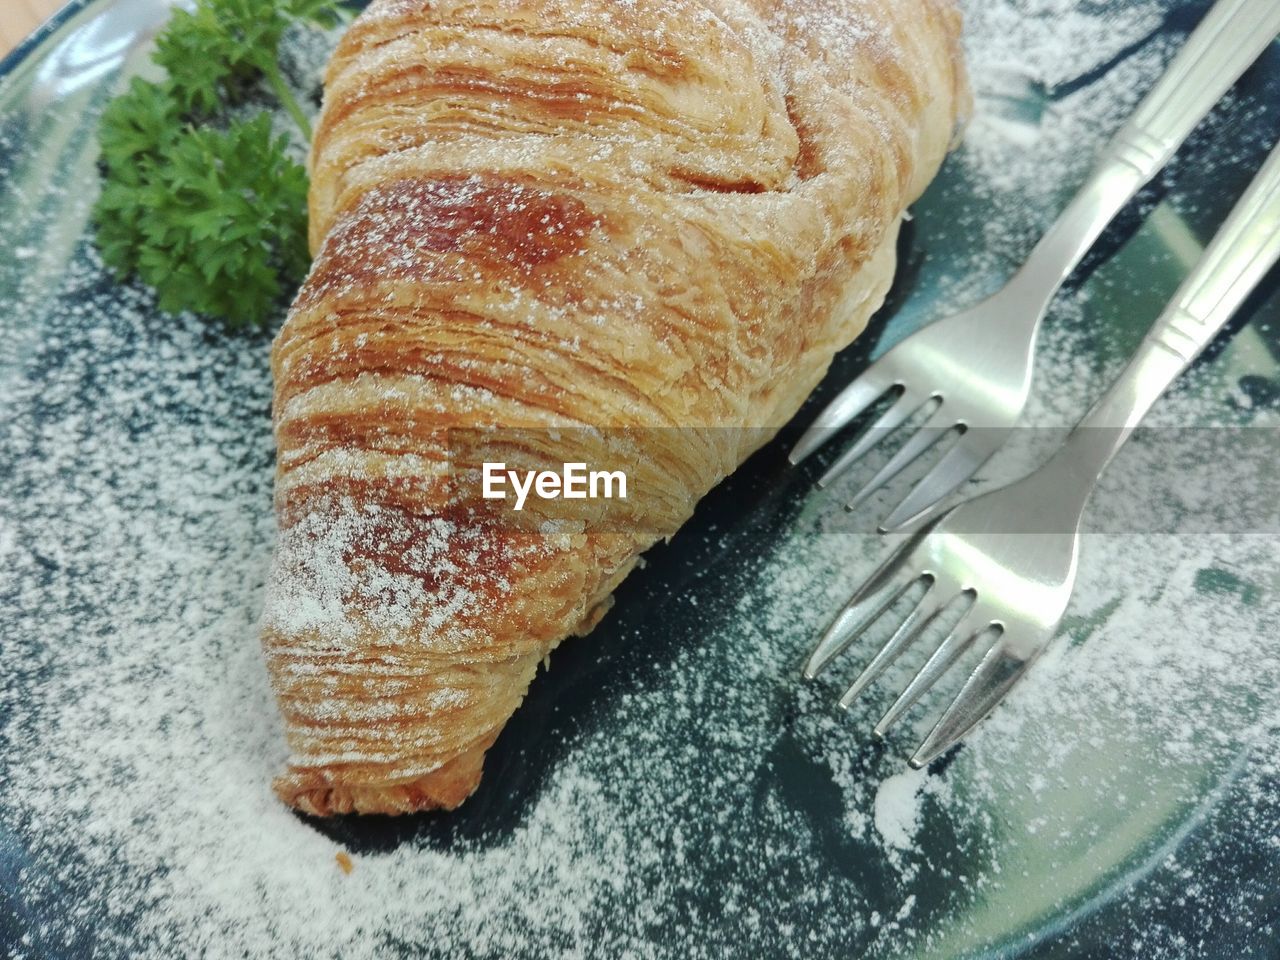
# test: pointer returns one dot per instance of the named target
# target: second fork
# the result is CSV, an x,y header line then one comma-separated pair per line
x,y
1012,553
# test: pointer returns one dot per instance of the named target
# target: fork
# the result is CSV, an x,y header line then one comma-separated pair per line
x,y
978,363
1011,554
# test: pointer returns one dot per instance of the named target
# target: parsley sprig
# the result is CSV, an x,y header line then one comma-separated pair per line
x,y
202,198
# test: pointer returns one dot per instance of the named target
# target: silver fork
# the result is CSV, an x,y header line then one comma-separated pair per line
x,y
978,363
1011,554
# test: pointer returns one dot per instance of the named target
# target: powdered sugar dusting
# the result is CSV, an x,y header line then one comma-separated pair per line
x,y
897,809
317,584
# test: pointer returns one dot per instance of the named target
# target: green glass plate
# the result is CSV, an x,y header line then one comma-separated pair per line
x,y
669,788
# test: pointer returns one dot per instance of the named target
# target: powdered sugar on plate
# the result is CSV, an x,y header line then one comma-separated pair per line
x,y
670,789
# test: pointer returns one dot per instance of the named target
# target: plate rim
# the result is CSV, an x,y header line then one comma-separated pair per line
x,y
27,46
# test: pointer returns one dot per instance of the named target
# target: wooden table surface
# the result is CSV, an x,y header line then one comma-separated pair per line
x,y
19,17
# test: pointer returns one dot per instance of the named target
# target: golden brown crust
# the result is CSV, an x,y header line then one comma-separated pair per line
x,y
661,218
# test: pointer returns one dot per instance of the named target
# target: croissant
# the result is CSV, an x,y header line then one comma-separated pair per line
x,y
554,231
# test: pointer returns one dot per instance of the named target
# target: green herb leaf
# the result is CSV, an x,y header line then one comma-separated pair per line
x,y
203,204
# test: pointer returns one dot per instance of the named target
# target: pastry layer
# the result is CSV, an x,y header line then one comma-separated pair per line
x,y
661,218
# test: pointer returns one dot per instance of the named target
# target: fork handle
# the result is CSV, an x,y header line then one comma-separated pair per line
x,y
1243,251
1231,37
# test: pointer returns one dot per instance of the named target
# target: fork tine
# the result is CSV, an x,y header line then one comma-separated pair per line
x,y
873,598
972,625
906,634
999,670
958,464
894,417
839,413
941,423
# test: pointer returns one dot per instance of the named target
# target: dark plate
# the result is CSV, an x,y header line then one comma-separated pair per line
x,y
669,788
